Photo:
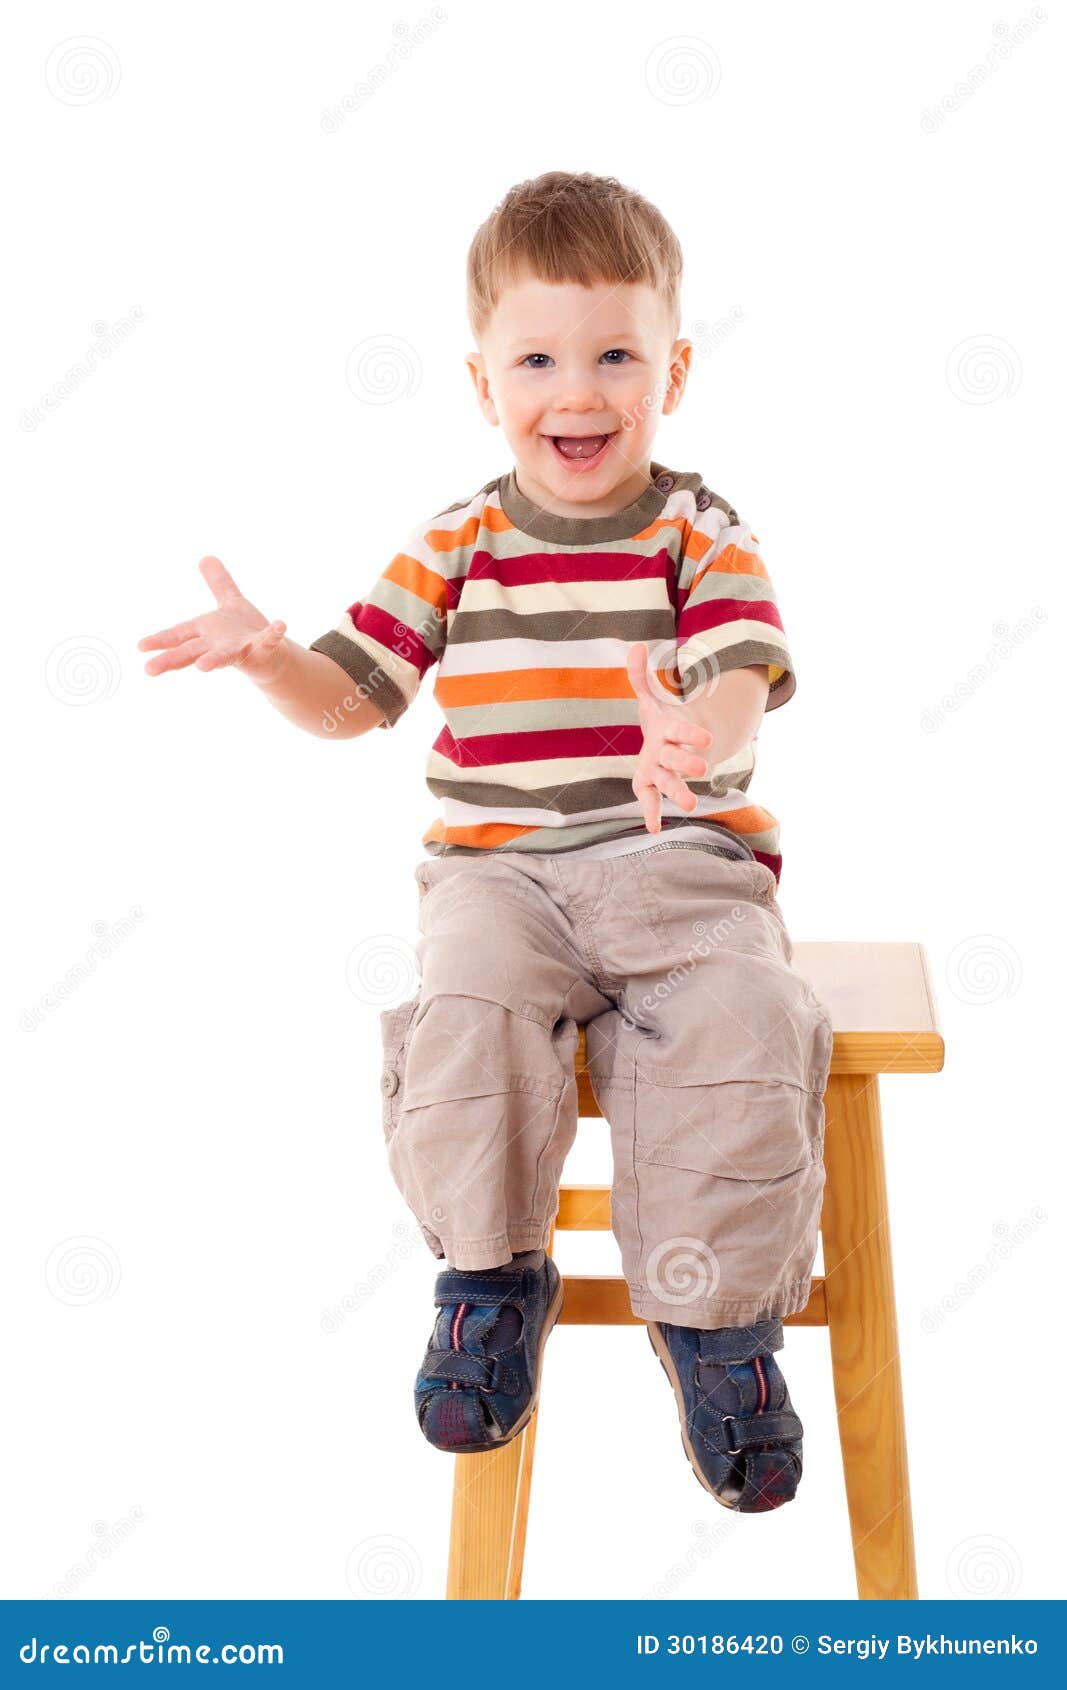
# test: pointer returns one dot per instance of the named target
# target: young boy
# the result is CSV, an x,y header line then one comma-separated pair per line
x,y
598,861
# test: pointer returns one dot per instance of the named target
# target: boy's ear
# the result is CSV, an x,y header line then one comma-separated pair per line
x,y
480,378
681,354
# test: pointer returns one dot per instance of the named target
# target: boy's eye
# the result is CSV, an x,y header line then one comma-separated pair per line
x,y
616,354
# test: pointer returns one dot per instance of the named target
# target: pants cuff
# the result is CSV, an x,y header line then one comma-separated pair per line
x,y
491,1252
723,1311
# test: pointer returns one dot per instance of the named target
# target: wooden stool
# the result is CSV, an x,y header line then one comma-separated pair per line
x,y
882,1005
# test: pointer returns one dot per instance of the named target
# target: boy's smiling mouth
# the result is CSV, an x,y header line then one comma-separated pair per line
x,y
580,451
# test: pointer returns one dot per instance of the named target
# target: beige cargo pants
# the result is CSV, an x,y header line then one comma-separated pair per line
x,y
708,1055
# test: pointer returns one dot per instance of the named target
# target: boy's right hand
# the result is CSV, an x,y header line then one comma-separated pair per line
x,y
236,635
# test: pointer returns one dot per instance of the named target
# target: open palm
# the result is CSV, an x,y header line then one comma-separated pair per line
x,y
235,635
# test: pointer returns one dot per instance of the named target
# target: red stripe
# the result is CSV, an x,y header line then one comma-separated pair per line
x,y
757,1362
456,1334
479,751
533,567
712,613
395,635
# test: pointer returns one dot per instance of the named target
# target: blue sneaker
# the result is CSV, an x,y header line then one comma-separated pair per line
x,y
479,1380
739,1429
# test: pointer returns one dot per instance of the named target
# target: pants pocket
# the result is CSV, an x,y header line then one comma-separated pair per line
x,y
729,1183
395,1030
732,1129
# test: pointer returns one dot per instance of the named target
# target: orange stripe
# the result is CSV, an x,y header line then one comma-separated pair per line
x,y
447,539
491,833
486,835
414,577
506,686
732,560
750,820
678,523
697,544
450,539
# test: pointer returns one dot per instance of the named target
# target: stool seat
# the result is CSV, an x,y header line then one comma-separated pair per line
x,y
881,1002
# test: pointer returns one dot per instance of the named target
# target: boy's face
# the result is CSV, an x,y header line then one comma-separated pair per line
x,y
577,377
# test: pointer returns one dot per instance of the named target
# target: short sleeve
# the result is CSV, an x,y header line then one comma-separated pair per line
x,y
727,612
387,640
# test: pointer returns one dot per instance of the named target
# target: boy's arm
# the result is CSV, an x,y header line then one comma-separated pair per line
x,y
732,711
313,692
733,659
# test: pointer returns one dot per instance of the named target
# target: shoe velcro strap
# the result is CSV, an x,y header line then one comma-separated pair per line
x,y
456,1287
488,1373
748,1430
459,1368
741,1343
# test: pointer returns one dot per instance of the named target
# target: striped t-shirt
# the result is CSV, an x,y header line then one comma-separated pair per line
x,y
529,617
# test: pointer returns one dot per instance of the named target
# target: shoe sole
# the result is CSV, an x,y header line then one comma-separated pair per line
x,y
552,1314
666,1361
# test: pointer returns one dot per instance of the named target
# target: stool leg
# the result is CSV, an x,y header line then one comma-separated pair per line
x,y
484,1498
490,1507
522,1507
862,1322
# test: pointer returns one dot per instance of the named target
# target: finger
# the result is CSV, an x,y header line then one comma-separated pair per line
x,y
647,794
219,579
675,789
179,658
637,669
676,728
269,640
167,637
688,763
263,644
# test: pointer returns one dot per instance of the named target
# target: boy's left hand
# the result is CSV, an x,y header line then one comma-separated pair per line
x,y
662,758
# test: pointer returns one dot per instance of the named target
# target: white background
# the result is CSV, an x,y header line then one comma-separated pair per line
x,y
198,1179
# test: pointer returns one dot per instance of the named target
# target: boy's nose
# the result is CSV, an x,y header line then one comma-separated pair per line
x,y
577,395
578,407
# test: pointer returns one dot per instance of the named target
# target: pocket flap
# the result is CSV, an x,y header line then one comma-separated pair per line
x,y
737,1129
395,1022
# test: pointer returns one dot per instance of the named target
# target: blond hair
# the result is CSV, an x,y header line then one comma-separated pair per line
x,y
562,227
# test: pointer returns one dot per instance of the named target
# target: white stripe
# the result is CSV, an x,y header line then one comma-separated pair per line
x,y
539,597
491,657
558,771
454,813
735,632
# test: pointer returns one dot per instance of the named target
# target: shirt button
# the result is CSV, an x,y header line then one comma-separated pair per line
x,y
703,501
665,483
390,1081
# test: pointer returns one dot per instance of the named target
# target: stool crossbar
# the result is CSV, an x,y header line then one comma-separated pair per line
x,y
882,1006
